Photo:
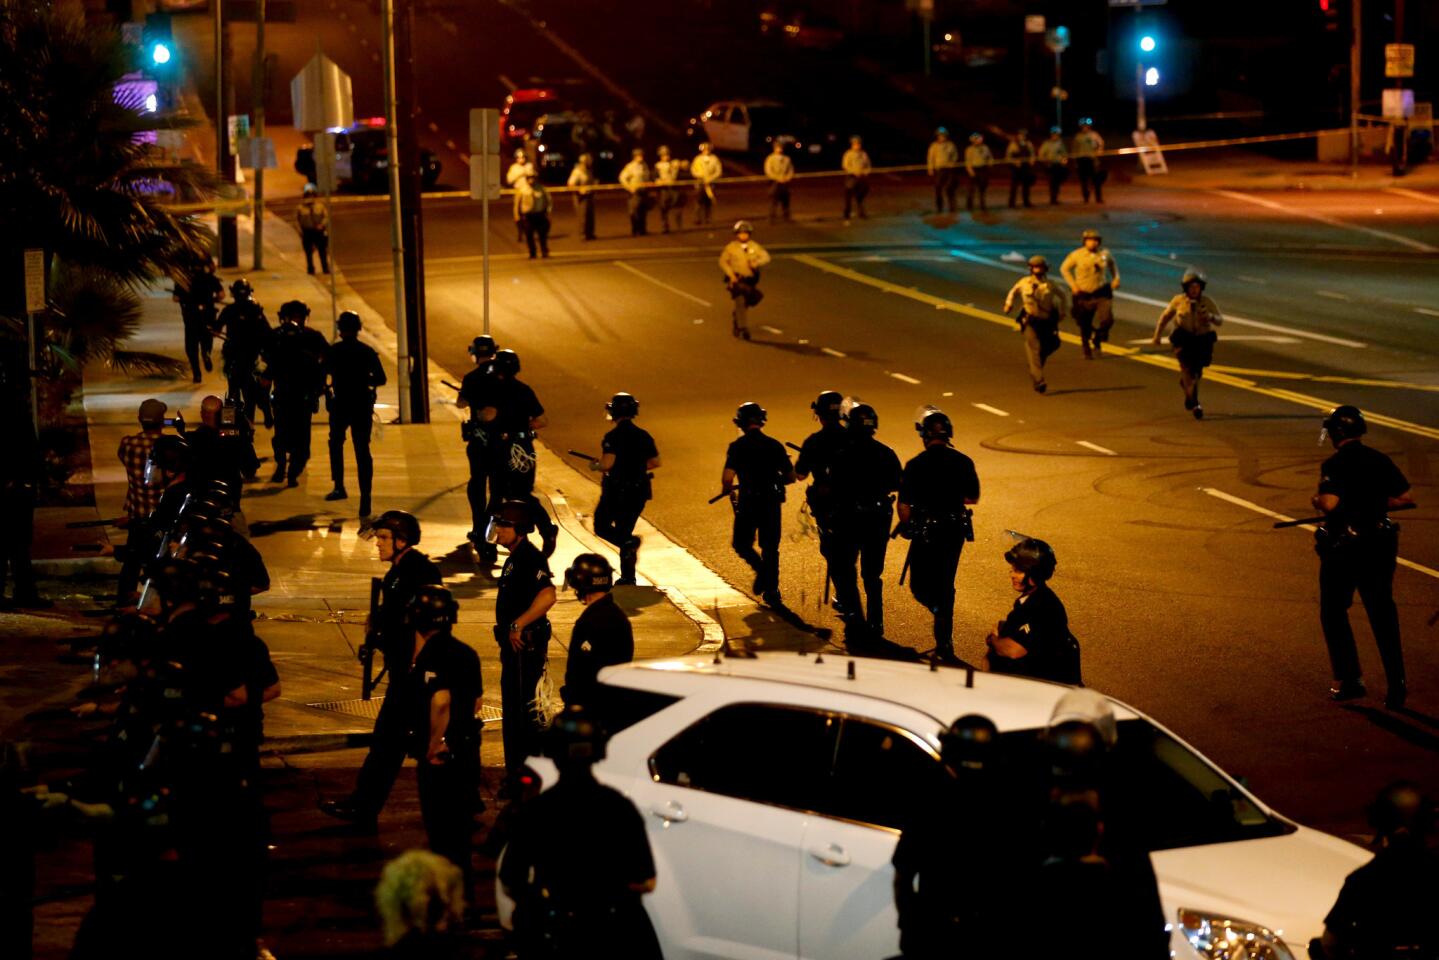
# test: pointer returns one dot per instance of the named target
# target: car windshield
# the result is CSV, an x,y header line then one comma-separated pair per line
x,y
772,119
1167,793
526,113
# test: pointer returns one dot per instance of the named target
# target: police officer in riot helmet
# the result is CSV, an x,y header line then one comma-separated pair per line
x,y
247,332
443,692
935,492
295,366
397,536
761,468
1033,641
579,861
864,478
474,396
512,417
627,455
522,628
1358,546
355,377
816,460
602,635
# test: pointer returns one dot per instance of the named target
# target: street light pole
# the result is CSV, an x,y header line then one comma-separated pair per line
x,y
1139,121
397,243
228,229
1354,61
257,134
1058,93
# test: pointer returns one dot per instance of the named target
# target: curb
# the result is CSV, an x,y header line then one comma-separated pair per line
x,y
65,567
315,743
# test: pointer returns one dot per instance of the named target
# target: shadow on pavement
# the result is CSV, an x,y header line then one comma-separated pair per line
x,y
1388,722
1069,390
299,523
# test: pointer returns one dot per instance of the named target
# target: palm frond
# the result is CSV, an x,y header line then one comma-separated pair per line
x,y
141,363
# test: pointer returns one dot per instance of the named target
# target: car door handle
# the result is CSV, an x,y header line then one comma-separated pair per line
x,y
671,812
831,855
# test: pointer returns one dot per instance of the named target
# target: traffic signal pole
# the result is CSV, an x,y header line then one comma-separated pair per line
x,y
228,228
397,249
257,134
1354,60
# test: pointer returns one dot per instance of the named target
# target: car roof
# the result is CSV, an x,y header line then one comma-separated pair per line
x,y
1013,703
761,102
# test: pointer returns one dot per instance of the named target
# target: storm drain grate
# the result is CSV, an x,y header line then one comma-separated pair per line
x,y
370,709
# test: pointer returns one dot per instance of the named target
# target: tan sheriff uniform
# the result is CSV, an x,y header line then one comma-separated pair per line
x,y
1042,304
1091,274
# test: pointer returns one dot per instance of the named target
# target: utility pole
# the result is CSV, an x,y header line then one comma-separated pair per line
x,y
257,133
224,162
397,248
1356,35
411,221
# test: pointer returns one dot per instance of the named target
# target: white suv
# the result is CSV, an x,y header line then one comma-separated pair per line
x,y
774,788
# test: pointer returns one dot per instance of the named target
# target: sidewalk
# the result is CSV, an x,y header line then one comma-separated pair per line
x,y
1214,170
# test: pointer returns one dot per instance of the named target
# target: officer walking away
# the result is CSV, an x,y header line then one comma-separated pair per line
x,y
582,181
1041,305
935,492
1020,157
197,293
779,168
1088,145
761,467
295,364
977,161
224,455
866,476
1033,641
667,175
397,537
627,455
818,456
579,860
247,333
1196,320
355,377
706,169
474,396
522,630
511,419
314,222
1093,276
1382,909
444,737
856,166
1055,158
942,161
535,209
519,171
1358,546
602,635
635,178
741,260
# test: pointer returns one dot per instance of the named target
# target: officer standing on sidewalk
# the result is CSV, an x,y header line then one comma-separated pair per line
x,y
582,181
247,332
397,536
856,166
295,364
762,469
817,458
1020,157
779,168
627,455
977,161
602,636
866,475
706,170
1056,162
355,376
667,175
314,222
1093,276
1358,546
1196,320
935,492
522,630
635,178
475,397
512,418
444,737
1042,304
740,261
1088,145
942,161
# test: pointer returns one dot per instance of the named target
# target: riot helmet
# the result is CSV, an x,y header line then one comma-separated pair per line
x,y
590,573
622,405
826,406
511,513
932,423
743,226
348,322
750,414
862,418
1090,234
482,346
507,362
1193,275
402,526
1401,809
1345,422
432,608
969,743
576,738
1039,261
241,289
1034,558
296,310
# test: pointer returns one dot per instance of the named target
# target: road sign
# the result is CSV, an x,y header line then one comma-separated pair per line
x,y
1398,59
1034,23
1150,156
485,130
1397,104
1057,40
484,176
257,152
34,281
321,96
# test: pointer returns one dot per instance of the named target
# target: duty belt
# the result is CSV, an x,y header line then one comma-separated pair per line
x,y
516,435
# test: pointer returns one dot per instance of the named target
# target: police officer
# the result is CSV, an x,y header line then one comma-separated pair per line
x,y
706,170
1093,276
1088,145
355,376
977,161
934,496
1020,157
247,333
1041,305
865,477
397,536
522,629
582,181
520,170
1358,545
779,168
511,418
762,469
579,860
444,737
197,294
741,261
942,161
602,635
856,166
817,457
475,397
627,455
1055,158
1195,320
313,218
295,364
1033,641
635,178
667,175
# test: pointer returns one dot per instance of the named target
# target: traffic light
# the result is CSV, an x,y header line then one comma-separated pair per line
x,y
159,53
161,56
1147,43
1151,77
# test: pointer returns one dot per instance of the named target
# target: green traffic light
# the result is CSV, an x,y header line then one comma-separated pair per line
x,y
160,54
1147,44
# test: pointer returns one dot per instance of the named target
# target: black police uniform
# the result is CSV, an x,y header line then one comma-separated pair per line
x,y
624,491
390,742
229,458
295,360
1358,546
1039,623
475,390
247,331
935,485
355,376
525,575
602,637
1384,907
816,460
577,849
197,297
762,466
447,789
865,475
511,439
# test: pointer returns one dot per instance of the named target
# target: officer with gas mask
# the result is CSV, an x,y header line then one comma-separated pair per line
x,y
627,455
761,468
865,476
602,635
295,366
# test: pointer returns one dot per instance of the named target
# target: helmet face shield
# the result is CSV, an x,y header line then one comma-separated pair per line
x,y
492,529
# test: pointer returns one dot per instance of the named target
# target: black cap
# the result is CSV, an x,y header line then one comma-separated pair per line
x,y
298,309
970,742
241,288
863,418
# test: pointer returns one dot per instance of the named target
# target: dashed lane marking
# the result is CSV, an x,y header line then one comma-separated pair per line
x,y
832,352
1426,311
1097,448
774,330
1248,279
988,409
1413,194
1333,295
904,379
660,283
1323,218
1265,511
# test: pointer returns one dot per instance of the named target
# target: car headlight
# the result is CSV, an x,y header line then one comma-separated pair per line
x,y
1224,938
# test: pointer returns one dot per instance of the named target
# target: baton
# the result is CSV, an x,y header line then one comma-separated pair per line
x,y
1319,519
583,456
453,386
793,447
904,571
717,498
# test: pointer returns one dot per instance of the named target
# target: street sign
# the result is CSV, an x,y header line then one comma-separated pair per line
x,y
257,152
484,176
1150,156
325,178
484,153
321,96
1034,23
1057,40
1397,104
1398,59
34,281
485,130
